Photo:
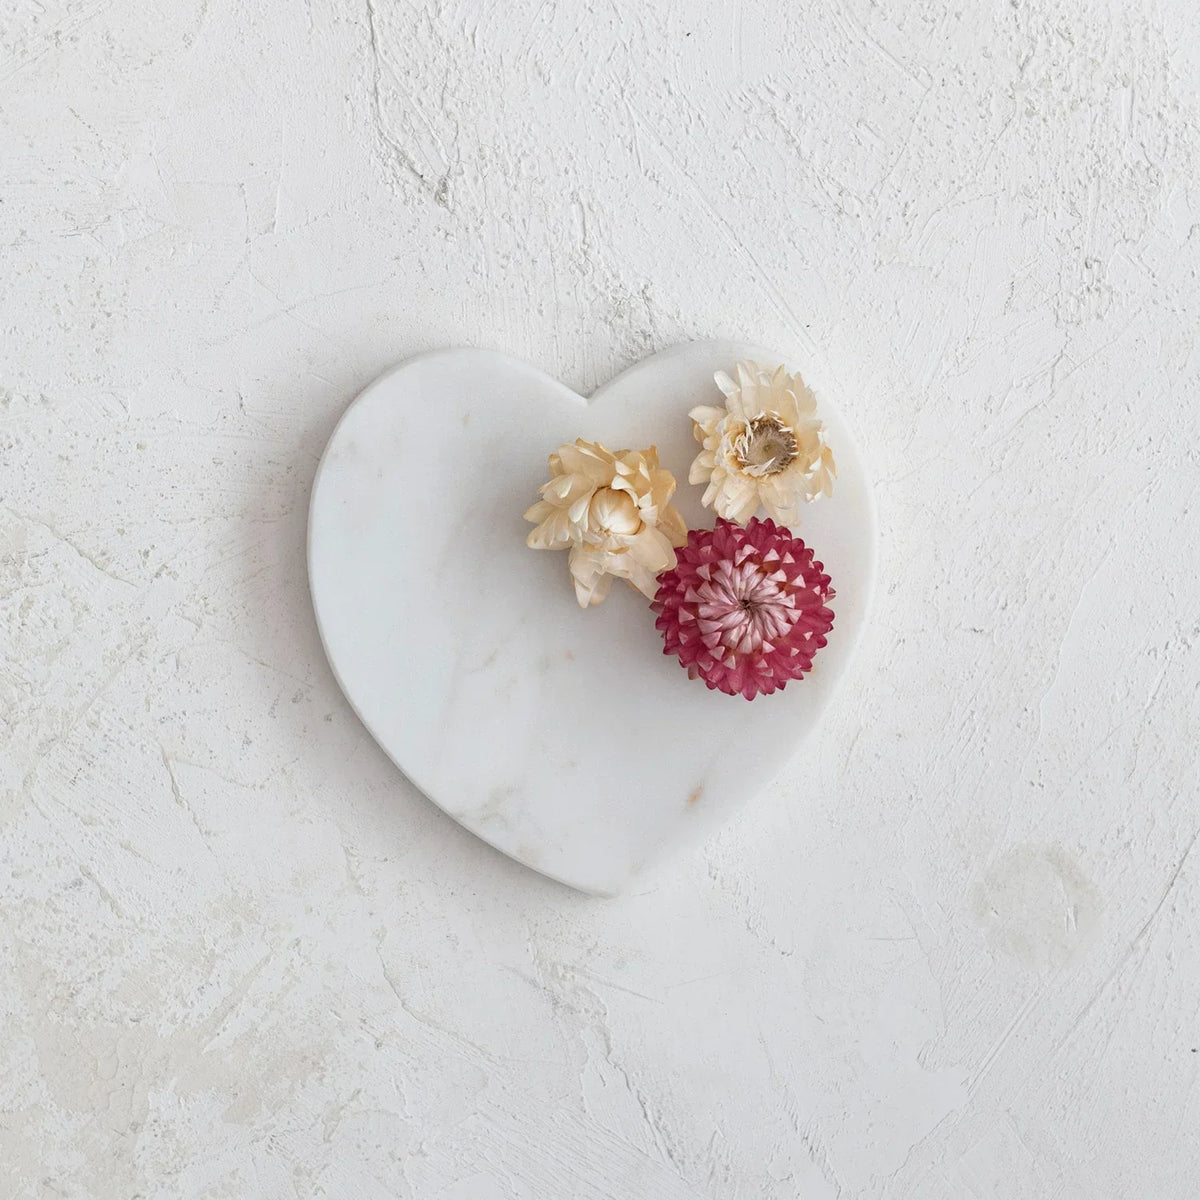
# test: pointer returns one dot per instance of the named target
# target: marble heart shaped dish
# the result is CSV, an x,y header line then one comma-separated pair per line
x,y
562,735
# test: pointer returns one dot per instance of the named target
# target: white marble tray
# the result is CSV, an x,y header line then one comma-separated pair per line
x,y
564,738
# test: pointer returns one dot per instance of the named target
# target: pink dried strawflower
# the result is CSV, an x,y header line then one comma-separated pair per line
x,y
744,609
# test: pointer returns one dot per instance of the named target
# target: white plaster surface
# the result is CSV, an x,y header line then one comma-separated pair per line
x,y
958,957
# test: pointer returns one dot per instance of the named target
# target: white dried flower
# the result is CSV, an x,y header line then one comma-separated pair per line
x,y
764,448
612,511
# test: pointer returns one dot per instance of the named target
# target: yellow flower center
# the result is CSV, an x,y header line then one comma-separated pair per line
x,y
614,512
765,447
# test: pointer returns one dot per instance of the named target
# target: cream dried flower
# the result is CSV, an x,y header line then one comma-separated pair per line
x,y
612,511
765,447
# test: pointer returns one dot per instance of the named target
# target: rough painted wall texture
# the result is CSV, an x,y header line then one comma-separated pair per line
x,y
953,954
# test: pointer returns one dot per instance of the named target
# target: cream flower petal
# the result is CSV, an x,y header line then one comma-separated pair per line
x,y
588,459
806,398
559,488
592,582
779,501
554,533
662,488
742,401
672,524
645,579
652,549
568,494
784,405
725,383
743,502
577,513
539,512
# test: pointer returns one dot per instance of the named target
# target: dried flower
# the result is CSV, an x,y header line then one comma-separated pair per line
x,y
612,511
764,448
744,609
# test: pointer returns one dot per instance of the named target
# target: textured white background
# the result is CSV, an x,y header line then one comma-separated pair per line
x,y
954,954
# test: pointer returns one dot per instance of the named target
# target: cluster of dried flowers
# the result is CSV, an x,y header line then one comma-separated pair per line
x,y
744,605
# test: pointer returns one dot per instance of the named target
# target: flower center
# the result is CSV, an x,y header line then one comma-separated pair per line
x,y
743,608
613,512
766,446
